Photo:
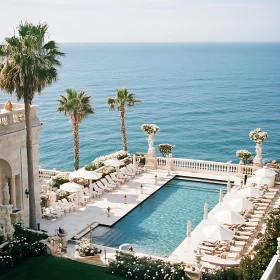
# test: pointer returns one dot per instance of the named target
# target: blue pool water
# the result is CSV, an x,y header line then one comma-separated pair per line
x,y
158,225
205,97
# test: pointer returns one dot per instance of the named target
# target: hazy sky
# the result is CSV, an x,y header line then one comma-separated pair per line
x,y
147,20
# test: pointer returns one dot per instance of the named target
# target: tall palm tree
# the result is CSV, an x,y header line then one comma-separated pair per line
x,y
77,106
123,99
28,64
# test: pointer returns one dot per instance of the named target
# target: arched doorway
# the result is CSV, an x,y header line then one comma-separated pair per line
x,y
7,178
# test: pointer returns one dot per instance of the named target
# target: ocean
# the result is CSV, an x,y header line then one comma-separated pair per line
x,y
205,97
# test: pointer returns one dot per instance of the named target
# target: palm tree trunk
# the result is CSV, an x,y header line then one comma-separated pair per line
x,y
76,144
29,152
123,131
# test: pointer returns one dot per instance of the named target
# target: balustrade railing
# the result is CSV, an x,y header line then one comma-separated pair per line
x,y
47,173
17,115
181,164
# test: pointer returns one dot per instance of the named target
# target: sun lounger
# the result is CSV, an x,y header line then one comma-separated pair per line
x,y
206,249
116,179
107,184
97,189
125,171
94,192
69,204
63,206
105,188
125,176
131,169
228,255
111,181
241,237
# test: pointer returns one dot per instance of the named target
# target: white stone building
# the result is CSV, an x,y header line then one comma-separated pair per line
x,y
13,161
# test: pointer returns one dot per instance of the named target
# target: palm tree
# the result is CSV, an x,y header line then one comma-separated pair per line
x,y
27,65
123,98
77,106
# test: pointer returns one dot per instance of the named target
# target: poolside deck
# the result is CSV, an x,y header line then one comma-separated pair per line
x,y
95,212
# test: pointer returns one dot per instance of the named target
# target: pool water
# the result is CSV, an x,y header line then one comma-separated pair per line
x,y
158,225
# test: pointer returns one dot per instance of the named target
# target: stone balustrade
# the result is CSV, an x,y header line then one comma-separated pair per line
x,y
15,119
191,165
47,173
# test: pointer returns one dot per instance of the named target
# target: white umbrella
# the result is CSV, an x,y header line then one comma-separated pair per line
x,y
205,211
134,163
239,204
249,191
229,217
218,232
82,173
189,228
221,195
115,163
71,187
265,172
259,180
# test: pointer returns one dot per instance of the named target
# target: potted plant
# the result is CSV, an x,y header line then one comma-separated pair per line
x,y
165,149
243,155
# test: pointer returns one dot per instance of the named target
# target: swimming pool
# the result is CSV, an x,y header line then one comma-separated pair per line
x,y
158,225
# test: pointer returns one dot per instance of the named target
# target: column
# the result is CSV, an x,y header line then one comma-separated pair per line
x,y
13,192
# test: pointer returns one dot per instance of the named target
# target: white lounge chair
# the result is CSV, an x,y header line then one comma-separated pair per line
x,y
47,214
71,205
110,180
105,188
107,184
126,172
87,195
116,179
95,190
64,207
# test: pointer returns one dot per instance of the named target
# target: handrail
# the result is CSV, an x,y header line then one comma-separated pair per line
x,y
271,270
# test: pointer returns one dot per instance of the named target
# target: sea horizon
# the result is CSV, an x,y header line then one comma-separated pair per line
x,y
205,97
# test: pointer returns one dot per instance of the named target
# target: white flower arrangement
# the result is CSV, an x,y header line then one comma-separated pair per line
x,y
257,135
86,248
243,154
118,154
150,129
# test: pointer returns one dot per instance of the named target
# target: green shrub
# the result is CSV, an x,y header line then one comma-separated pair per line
x,y
16,251
133,267
227,274
59,179
30,235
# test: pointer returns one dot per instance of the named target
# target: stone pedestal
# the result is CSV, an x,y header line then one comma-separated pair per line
x,y
151,163
63,239
15,217
257,161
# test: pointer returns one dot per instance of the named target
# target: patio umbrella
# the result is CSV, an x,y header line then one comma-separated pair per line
x,y
205,211
239,204
82,173
217,232
265,172
115,163
221,195
259,180
249,191
72,188
229,217
189,228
